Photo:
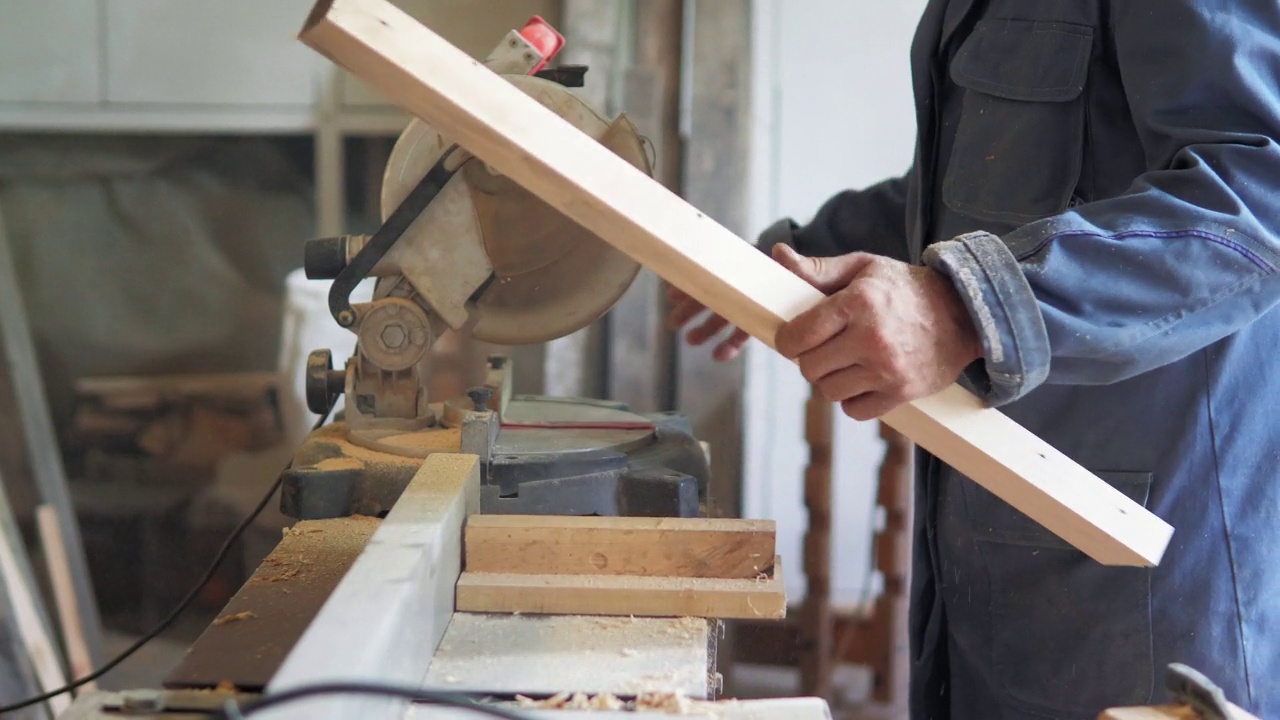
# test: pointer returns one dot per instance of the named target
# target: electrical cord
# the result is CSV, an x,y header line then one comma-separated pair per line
x,y
234,711
182,604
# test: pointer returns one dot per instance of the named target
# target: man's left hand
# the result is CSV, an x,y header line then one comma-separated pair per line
x,y
888,332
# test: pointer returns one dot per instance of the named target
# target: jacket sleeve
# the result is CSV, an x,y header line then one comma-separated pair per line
x,y
870,220
1186,256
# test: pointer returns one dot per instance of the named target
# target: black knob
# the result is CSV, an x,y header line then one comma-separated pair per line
x,y
324,384
480,397
324,258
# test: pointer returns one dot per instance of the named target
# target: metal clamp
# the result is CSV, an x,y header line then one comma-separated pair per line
x,y
1190,687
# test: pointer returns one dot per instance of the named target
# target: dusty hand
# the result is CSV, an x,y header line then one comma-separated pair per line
x,y
684,309
887,334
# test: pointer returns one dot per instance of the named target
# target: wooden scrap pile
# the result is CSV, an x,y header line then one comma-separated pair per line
x,y
173,428
549,564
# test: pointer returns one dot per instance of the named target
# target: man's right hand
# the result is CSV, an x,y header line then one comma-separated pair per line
x,y
684,310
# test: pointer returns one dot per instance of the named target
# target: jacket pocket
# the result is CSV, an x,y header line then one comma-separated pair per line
x,y
1019,141
1069,636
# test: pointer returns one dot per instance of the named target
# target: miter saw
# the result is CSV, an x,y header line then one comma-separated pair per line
x,y
463,248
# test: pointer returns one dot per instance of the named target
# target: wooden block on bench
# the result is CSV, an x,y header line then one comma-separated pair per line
x,y
763,598
640,546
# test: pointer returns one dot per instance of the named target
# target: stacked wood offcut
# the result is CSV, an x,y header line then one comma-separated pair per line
x,y
659,567
171,427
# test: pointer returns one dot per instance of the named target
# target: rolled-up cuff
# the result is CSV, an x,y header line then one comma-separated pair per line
x,y
1015,344
782,232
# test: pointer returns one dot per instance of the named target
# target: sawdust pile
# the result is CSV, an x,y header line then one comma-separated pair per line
x,y
318,549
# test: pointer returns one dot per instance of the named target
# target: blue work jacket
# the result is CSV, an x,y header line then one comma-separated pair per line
x,y
1101,180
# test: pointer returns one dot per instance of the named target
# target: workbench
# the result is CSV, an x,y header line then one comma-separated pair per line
x,y
358,599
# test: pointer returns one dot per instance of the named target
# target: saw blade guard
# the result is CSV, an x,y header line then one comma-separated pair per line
x,y
488,256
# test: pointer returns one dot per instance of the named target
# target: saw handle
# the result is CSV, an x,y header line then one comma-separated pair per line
x,y
386,236
325,258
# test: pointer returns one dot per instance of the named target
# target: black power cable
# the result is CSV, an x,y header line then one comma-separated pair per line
x,y
233,711
182,604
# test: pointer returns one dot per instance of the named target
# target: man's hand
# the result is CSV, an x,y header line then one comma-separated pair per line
x,y
684,309
887,334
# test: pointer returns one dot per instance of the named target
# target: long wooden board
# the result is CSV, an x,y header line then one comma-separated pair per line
x,y
641,546
64,594
760,599
386,616
518,137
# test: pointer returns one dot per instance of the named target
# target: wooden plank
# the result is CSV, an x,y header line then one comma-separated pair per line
x,y
623,595
44,456
248,385
642,546
541,655
32,630
64,595
385,618
890,651
1167,712
24,679
515,135
816,622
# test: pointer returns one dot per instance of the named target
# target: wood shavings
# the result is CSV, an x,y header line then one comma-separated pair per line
x,y
606,701
573,701
246,615
671,703
675,703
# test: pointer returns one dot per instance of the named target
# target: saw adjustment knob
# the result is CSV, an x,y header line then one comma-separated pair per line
x,y
324,384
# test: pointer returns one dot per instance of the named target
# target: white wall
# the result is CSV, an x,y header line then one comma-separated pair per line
x,y
832,110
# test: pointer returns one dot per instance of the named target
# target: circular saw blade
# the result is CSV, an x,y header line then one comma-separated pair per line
x,y
551,276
